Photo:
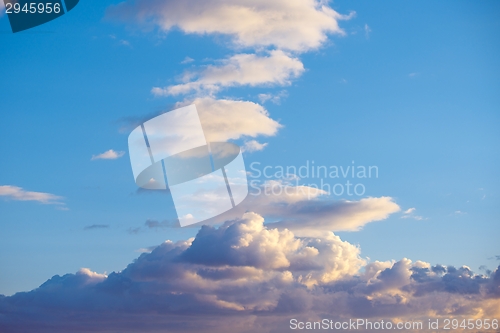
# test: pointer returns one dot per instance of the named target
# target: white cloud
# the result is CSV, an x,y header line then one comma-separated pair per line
x,y
368,30
108,155
241,69
415,217
253,145
409,211
226,119
187,60
409,214
274,98
314,217
90,276
295,25
309,211
17,193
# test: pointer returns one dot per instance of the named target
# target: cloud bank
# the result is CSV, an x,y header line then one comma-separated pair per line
x,y
294,25
249,277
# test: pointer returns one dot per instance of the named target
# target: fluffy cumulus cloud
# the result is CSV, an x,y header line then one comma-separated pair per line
x,y
248,277
108,155
19,194
225,119
277,68
296,25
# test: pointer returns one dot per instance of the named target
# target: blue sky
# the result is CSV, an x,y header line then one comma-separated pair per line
x,y
411,87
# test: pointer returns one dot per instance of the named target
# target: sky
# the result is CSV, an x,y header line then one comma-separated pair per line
x,y
410,88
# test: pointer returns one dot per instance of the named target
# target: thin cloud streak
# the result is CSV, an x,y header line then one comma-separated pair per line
x,y
246,276
96,226
19,194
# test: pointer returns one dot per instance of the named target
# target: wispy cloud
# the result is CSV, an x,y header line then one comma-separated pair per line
x,y
96,226
274,98
409,211
309,211
124,42
135,231
368,30
108,155
187,60
17,193
246,276
409,214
